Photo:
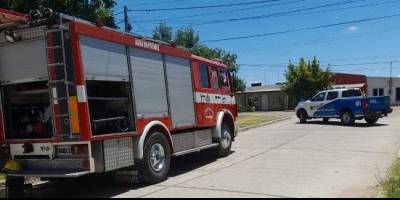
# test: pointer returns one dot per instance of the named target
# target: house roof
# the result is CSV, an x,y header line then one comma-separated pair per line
x,y
267,88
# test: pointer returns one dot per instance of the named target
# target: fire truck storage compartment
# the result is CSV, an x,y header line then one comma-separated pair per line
x,y
180,90
23,61
113,154
108,87
110,107
27,111
149,84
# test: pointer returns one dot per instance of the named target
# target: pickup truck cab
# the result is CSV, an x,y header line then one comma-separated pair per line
x,y
348,105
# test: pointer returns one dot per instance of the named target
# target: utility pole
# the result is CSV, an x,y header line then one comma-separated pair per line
x,y
391,79
128,27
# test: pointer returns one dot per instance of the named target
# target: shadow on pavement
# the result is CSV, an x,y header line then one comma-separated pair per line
x,y
104,187
334,123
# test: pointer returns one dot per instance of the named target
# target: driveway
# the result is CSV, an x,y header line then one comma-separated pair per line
x,y
285,159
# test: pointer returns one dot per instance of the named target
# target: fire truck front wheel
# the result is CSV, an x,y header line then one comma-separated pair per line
x,y
156,161
225,144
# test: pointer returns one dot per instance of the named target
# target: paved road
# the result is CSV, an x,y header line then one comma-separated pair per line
x,y
285,159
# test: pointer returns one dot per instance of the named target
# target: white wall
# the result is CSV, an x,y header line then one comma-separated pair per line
x,y
383,82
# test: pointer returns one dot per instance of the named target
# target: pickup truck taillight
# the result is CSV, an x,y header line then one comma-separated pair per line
x,y
364,104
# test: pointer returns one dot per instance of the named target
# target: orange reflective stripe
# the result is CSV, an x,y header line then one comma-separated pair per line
x,y
74,115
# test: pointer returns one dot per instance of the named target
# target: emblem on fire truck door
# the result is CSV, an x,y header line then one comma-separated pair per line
x,y
209,113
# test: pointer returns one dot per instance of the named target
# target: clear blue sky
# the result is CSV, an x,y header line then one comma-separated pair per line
x,y
358,43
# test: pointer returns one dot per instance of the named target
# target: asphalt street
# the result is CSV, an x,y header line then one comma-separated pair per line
x,y
285,159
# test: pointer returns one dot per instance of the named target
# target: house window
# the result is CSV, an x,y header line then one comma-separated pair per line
x,y
397,94
381,92
205,83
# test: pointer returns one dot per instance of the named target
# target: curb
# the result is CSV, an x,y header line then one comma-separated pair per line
x,y
264,124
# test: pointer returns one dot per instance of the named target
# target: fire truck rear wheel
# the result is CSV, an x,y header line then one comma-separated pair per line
x,y
156,161
225,144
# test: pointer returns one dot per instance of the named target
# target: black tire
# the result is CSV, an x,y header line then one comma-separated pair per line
x,y
303,116
347,118
153,173
225,143
326,120
371,120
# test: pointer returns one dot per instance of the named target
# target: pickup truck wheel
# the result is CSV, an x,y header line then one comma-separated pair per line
x,y
371,120
347,118
303,116
326,120
156,161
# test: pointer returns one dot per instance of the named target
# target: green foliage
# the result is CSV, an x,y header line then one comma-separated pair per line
x,y
163,32
96,9
391,186
251,102
306,79
187,37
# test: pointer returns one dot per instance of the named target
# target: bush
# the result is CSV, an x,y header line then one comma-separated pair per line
x,y
391,185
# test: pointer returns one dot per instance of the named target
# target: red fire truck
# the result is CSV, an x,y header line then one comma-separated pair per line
x,y
78,98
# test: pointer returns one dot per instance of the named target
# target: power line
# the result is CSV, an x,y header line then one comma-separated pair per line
x,y
280,14
368,63
224,11
284,13
284,65
155,3
323,61
350,7
303,29
202,7
295,12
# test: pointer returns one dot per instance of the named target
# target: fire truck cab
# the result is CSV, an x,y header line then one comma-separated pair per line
x,y
78,98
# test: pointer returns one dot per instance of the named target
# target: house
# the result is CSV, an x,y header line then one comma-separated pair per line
x,y
351,81
385,86
262,98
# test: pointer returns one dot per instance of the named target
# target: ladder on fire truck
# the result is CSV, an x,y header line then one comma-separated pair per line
x,y
58,82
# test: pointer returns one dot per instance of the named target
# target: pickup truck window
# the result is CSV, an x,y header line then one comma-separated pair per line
x,y
332,96
351,93
319,97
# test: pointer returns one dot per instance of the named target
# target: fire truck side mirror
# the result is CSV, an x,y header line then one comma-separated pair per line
x,y
233,84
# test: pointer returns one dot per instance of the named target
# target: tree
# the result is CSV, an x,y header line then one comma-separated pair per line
x,y
89,10
306,79
187,37
163,32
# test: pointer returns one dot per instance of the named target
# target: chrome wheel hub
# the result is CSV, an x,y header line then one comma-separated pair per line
x,y
226,139
157,157
346,117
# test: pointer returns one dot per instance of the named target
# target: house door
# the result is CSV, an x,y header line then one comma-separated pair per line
x,y
397,95
264,102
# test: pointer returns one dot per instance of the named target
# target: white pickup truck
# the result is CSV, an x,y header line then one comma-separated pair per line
x,y
348,105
